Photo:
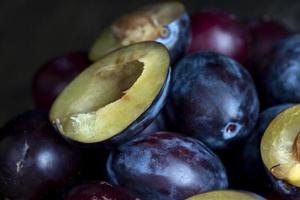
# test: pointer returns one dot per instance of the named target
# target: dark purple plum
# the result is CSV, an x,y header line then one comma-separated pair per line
x,y
220,32
53,76
35,162
254,170
266,32
213,99
288,45
166,165
281,76
99,191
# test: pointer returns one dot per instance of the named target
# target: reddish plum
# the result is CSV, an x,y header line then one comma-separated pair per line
x,y
266,33
53,76
220,32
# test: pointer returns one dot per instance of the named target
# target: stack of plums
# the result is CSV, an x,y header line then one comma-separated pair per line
x,y
164,106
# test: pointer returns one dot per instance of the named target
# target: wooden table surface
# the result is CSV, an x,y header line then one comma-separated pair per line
x,y
31,31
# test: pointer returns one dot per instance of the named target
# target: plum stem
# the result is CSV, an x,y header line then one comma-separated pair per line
x,y
296,147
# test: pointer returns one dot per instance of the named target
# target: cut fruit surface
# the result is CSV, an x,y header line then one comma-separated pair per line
x,y
226,195
146,24
151,23
112,93
280,146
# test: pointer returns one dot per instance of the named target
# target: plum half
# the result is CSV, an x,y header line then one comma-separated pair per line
x,y
213,98
226,195
254,171
165,166
167,23
116,97
280,148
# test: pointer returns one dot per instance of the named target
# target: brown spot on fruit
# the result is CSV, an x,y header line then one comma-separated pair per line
x,y
119,61
296,147
126,98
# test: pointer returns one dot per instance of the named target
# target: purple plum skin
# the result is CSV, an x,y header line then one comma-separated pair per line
x,y
53,76
99,191
213,99
35,162
165,166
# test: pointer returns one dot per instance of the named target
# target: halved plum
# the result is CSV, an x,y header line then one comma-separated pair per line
x,y
116,97
167,23
255,176
226,195
280,146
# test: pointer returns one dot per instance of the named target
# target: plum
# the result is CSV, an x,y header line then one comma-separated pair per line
x,y
254,171
35,162
266,32
220,32
166,165
226,195
213,99
53,76
280,152
99,191
167,23
280,76
115,98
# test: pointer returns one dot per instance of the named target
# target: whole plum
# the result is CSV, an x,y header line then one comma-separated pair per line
x,y
214,99
35,162
266,32
166,165
220,32
99,191
281,74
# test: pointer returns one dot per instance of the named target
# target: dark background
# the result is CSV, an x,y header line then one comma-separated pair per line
x,y
32,31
